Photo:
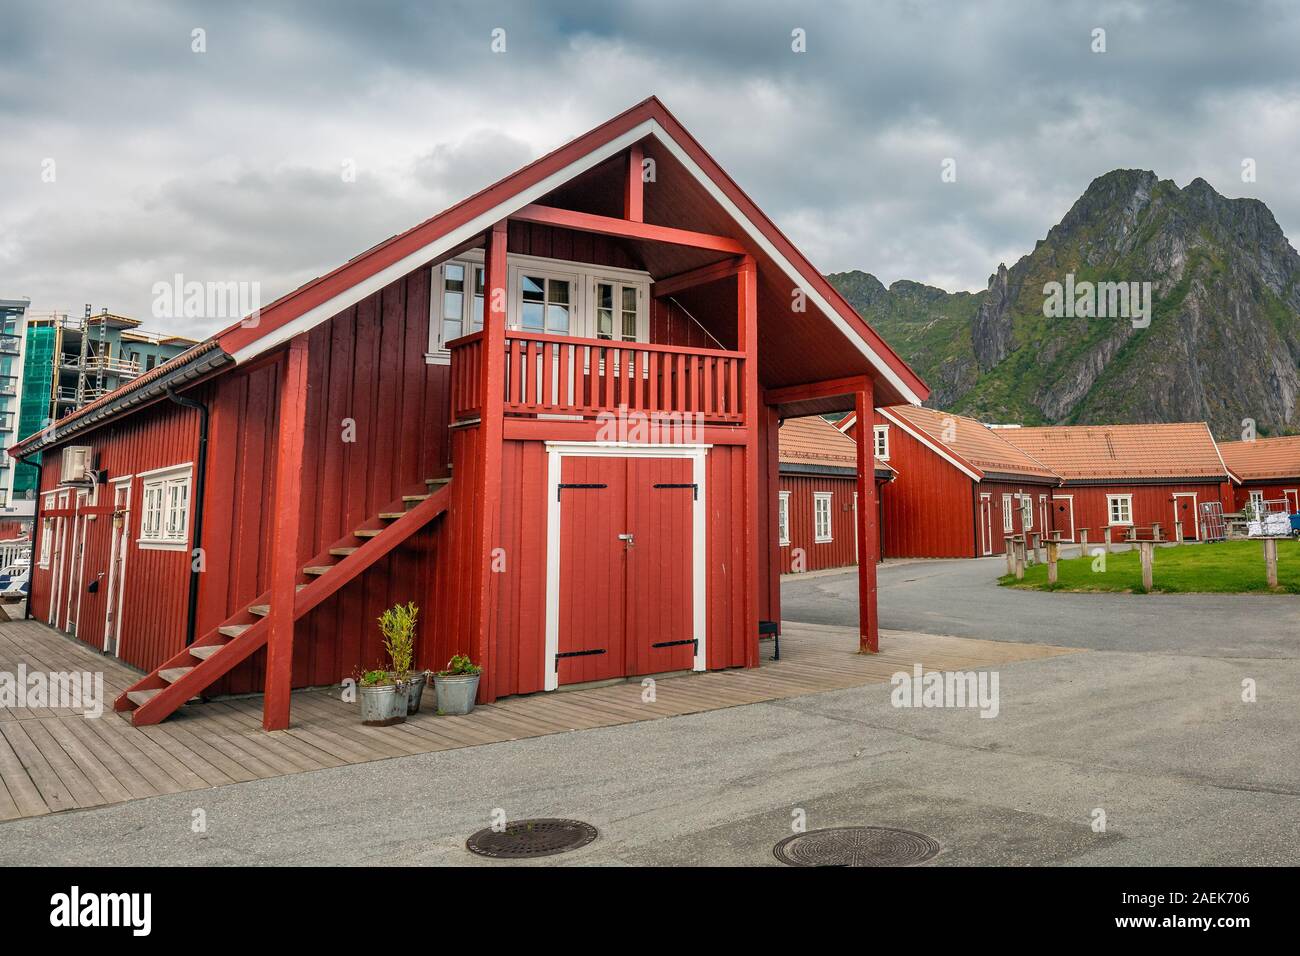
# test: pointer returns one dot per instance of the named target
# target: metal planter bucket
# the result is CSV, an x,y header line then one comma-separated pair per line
x,y
384,704
456,694
416,692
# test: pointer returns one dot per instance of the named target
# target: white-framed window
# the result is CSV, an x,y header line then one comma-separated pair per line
x,y
165,508
1120,508
821,517
1026,512
882,442
783,518
1257,502
47,533
1008,514
546,296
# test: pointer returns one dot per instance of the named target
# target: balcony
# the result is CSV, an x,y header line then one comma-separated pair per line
x,y
550,375
9,344
110,365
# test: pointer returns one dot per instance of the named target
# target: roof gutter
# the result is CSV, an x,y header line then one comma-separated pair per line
x,y
202,360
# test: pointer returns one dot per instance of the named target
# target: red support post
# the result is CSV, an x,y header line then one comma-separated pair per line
x,y
747,344
634,186
285,570
491,425
868,530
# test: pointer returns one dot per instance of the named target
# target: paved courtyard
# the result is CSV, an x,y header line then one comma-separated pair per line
x,y
1148,728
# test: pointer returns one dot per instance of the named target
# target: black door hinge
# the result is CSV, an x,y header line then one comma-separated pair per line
x,y
561,487
695,489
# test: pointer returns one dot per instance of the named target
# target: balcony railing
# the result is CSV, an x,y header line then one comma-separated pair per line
x,y
112,365
559,375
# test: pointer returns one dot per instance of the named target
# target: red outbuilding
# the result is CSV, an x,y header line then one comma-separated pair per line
x,y
1116,477
817,507
549,415
960,488
1267,469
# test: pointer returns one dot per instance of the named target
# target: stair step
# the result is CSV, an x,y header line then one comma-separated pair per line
x,y
172,674
432,482
233,630
317,569
391,515
368,532
342,552
261,610
206,651
141,697
414,499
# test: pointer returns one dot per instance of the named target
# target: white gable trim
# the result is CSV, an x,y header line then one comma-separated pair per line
x,y
451,240
924,440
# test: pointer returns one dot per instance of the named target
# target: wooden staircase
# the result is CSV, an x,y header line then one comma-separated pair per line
x,y
181,678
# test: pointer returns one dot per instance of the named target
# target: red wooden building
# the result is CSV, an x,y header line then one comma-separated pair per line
x,y
549,415
1266,469
1121,476
816,508
960,489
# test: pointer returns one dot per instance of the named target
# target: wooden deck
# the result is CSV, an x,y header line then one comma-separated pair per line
x,y
54,760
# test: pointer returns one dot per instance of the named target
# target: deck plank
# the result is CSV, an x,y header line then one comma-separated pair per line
x,y
55,759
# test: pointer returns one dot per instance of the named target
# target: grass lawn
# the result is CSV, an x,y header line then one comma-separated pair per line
x,y
1224,567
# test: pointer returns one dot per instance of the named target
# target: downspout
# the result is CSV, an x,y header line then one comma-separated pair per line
x,y
200,479
36,523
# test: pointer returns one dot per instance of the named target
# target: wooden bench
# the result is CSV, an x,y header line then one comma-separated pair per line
x,y
771,629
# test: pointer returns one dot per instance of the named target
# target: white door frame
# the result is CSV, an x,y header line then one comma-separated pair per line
x,y
1070,499
120,539
557,451
986,523
60,547
1292,495
79,529
1196,512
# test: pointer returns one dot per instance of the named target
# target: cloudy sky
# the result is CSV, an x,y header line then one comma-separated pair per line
x,y
227,163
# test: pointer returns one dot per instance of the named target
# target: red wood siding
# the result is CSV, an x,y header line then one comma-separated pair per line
x,y
1239,495
156,582
927,511
1151,503
996,490
839,551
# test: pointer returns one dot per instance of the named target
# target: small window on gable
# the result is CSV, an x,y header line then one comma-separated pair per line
x,y
882,442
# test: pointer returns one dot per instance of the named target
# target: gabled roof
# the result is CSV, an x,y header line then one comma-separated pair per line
x,y
460,226
972,447
816,442
1123,452
1263,458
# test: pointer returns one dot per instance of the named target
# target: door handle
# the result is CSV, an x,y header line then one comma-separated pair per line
x,y
628,539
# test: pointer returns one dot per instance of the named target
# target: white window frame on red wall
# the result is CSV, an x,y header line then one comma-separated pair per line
x,y
783,518
1111,501
881,448
821,498
1008,514
165,501
582,278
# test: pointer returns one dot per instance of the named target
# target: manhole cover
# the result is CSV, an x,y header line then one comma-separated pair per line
x,y
525,839
856,846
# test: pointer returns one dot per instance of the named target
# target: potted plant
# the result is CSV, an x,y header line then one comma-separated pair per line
x,y
457,686
383,698
398,627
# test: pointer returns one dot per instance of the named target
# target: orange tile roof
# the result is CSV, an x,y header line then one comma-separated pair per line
x,y
1263,457
1122,452
972,442
815,441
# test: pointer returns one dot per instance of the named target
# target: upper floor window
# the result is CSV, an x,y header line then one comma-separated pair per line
x,y
882,442
546,296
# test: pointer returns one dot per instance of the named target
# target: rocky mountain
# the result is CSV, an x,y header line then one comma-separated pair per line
x,y
1219,339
